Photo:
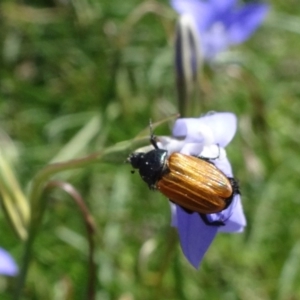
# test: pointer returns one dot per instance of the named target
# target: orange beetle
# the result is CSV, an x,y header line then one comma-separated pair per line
x,y
194,183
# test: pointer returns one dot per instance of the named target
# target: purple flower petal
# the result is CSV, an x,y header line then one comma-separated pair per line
x,y
206,136
224,165
225,215
194,149
216,128
189,128
7,264
237,220
173,214
201,11
195,236
222,6
170,144
223,126
246,21
221,23
214,40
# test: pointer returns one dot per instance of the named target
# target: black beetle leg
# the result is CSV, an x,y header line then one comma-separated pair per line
x,y
204,218
209,159
152,136
208,223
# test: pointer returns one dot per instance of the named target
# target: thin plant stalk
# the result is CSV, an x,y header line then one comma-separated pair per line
x,y
116,153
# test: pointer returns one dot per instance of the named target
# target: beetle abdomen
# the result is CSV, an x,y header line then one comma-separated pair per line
x,y
195,184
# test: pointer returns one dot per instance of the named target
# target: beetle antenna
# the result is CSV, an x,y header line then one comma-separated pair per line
x,y
152,136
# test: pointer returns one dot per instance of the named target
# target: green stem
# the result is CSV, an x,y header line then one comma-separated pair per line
x,y
116,153
25,263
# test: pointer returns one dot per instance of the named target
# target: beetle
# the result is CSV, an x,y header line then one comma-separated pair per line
x,y
194,183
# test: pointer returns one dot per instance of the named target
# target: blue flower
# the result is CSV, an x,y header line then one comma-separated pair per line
x,y
206,136
8,266
221,23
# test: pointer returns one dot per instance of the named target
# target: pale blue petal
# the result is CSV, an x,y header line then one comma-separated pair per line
x,y
190,129
214,41
224,165
195,236
237,220
238,22
174,222
201,11
245,21
211,130
214,128
223,125
194,149
8,266
222,6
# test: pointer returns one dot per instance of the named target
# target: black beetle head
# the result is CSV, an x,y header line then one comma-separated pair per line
x,y
151,165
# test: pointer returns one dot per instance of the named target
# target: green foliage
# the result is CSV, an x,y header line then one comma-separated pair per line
x,y
84,75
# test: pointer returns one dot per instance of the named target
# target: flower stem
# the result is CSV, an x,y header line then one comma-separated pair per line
x,y
116,154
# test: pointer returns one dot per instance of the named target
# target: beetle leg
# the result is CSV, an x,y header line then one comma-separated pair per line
x,y
153,141
204,218
209,159
152,136
206,159
152,187
235,186
208,223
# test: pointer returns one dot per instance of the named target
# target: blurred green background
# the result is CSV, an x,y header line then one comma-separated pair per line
x,y
93,72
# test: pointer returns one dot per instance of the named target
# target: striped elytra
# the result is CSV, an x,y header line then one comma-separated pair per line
x,y
195,184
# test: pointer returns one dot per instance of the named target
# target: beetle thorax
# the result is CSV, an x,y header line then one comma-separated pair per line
x,y
151,165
